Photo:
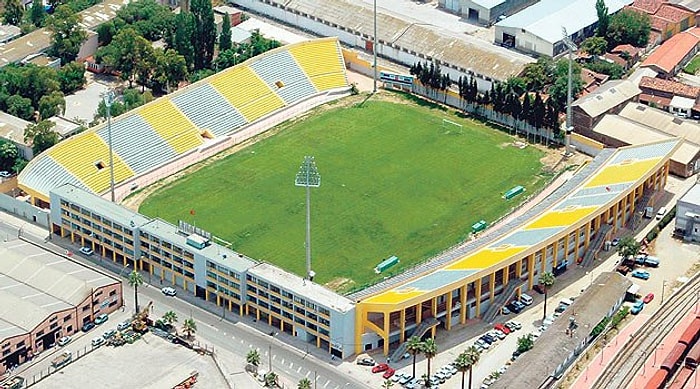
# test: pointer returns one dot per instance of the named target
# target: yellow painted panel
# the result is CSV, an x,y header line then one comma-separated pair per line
x,y
319,58
81,154
485,258
616,174
393,297
241,86
561,218
261,107
171,124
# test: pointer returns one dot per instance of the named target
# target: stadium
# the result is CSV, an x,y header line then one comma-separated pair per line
x,y
197,122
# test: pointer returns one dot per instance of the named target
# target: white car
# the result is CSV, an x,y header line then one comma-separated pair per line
x,y
168,291
87,251
97,342
498,334
5,174
64,341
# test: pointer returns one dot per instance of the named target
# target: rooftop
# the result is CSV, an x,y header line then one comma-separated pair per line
x,y
533,368
226,9
546,18
691,5
101,206
12,127
271,31
648,6
673,13
607,96
63,126
670,54
692,196
301,287
673,87
8,32
631,50
662,121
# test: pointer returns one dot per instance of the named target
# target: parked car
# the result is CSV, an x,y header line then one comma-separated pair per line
x,y
615,242
515,308
109,334
87,326
64,340
405,379
398,376
651,261
648,298
480,343
502,327
380,368
498,334
539,288
366,361
661,213
123,325
5,174
488,339
561,308
641,274
86,251
526,299
515,324
169,291
97,342
505,310
637,307
515,355
388,373
101,318
520,305
622,269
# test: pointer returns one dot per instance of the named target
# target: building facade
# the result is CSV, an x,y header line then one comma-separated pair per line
x,y
688,216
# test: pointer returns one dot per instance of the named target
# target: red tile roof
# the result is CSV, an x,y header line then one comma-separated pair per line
x,y
673,87
667,56
648,6
615,58
629,49
658,23
658,100
672,13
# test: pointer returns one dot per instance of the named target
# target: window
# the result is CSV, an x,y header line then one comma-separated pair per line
x,y
85,308
65,319
53,325
112,293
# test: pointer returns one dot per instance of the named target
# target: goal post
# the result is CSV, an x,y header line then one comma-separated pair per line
x,y
449,127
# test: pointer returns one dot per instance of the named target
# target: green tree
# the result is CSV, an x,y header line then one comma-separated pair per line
x,y
462,365
225,35
473,357
19,165
37,14
253,357
517,85
130,54
13,12
170,69
204,33
628,247
414,346
628,26
546,280
52,105
66,34
71,77
170,317
41,136
39,81
430,350
603,18
304,383
8,154
612,69
387,384
21,107
558,90
271,379
595,45
189,326
181,37
135,280
525,343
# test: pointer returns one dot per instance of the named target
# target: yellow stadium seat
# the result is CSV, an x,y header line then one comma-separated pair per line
x,y
247,92
322,62
171,125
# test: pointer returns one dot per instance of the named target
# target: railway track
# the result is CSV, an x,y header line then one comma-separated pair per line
x,y
620,371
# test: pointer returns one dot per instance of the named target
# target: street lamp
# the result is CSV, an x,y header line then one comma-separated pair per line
x,y
663,289
374,48
109,99
569,124
308,177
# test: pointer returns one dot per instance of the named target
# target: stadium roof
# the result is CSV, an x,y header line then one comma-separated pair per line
x,y
692,196
116,212
466,52
39,40
607,96
599,184
595,303
546,18
301,287
35,283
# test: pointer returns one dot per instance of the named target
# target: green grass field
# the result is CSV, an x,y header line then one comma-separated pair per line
x,y
394,182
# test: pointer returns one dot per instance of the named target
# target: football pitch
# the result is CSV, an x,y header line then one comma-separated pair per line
x,y
395,180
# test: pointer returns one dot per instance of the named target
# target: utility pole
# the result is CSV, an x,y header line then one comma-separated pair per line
x,y
269,356
109,99
374,48
308,177
569,119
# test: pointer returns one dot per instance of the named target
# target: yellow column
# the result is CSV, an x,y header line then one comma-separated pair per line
x,y
577,242
567,240
448,321
587,234
269,318
318,341
616,210
257,313
624,210
240,310
419,313
230,305
282,325
634,199
433,306
218,300
492,286
385,335
463,304
597,221
247,309
206,294
184,283
402,325
555,255
519,269
478,297
531,271
506,273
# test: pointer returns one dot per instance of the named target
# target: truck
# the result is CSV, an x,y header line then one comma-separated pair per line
x,y
62,359
649,212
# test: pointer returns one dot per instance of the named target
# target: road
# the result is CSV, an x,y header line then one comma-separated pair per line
x,y
237,337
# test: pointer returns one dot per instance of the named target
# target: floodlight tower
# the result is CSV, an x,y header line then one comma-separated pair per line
x,y
308,177
569,119
109,99
374,48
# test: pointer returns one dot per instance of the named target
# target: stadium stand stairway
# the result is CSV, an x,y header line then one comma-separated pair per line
x,y
419,331
500,300
596,245
639,209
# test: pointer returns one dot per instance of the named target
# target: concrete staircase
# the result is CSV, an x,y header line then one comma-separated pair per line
x,y
419,331
596,245
501,300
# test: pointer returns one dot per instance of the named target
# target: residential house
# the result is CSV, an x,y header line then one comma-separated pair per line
x,y
672,96
667,19
669,58
609,98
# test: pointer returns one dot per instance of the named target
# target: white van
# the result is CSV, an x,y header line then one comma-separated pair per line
x,y
525,299
661,213
566,302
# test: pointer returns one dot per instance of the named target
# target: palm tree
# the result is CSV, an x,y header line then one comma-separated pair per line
x,y
253,357
271,379
387,384
472,358
462,365
430,351
414,346
189,326
304,383
136,280
546,280
170,317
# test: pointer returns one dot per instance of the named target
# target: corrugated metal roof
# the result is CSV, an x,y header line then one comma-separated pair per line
x,y
608,95
546,18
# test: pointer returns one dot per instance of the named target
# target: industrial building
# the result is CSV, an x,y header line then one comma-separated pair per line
x,y
688,215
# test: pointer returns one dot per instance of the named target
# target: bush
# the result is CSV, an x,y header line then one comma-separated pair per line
x,y
597,330
619,316
670,215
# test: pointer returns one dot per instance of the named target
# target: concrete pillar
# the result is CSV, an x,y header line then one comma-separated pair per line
x,y
419,313
587,236
463,304
478,297
531,271
492,286
448,320
402,325
519,269
555,255
385,335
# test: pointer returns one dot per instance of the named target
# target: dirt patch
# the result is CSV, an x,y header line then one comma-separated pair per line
x,y
340,284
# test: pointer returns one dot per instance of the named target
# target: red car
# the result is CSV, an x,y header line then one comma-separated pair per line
x,y
502,328
388,373
647,299
380,368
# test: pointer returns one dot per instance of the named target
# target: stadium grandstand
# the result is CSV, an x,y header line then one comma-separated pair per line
x,y
176,126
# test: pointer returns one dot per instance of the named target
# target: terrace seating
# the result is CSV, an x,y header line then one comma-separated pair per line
x,y
172,125
207,109
86,156
322,62
246,92
53,175
280,67
150,151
